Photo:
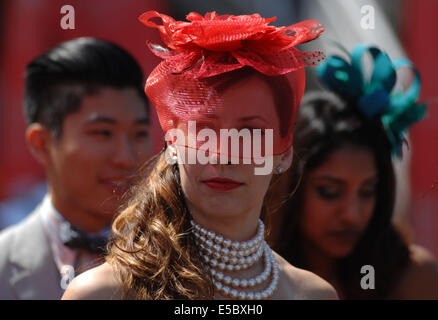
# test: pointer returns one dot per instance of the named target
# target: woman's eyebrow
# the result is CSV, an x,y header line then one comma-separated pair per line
x,y
373,179
252,118
331,179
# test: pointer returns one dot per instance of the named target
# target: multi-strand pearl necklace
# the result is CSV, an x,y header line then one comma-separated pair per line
x,y
226,255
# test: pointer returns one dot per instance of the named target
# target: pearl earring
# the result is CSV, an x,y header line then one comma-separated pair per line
x,y
279,169
172,156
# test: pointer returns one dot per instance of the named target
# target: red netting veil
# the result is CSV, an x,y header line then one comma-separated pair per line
x,y
207,51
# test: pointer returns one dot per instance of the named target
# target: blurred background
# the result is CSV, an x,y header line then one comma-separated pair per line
x,y
403,28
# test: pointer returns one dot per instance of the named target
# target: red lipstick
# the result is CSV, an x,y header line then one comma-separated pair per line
x,y
222,184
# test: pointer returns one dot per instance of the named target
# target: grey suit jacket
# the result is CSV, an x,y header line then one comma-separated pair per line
x,y
27,266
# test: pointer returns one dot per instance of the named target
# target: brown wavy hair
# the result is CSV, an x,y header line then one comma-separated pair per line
x,y
151,251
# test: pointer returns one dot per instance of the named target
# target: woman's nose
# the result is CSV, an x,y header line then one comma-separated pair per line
x,y
351,211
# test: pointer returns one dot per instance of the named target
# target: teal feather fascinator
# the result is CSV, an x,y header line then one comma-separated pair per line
x,y
376,97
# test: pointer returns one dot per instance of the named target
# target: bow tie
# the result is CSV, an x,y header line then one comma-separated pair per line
x,y
75,238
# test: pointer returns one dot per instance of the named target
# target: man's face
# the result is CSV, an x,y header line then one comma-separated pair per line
x,y
100,148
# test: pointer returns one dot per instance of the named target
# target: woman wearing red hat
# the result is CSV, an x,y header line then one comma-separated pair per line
x,y
194,230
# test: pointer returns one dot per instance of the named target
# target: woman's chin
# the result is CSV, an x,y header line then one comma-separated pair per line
x,y
340,251
221,201
223,211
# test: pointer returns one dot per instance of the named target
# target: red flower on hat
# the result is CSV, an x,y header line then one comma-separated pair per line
x,y
214,44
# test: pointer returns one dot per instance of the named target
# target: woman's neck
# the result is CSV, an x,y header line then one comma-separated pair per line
x,y
236,228
319,262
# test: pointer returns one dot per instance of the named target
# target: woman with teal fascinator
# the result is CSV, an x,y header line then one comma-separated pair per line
x,y
338,223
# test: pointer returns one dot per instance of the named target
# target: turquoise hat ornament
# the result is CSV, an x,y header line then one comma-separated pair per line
x,y
376,96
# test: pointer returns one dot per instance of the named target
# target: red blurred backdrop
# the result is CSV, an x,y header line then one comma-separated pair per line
x,y
419,36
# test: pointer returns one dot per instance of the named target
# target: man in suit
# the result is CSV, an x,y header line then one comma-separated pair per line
x,y
88,126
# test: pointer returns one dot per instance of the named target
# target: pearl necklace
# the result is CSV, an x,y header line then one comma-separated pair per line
x,y
224,254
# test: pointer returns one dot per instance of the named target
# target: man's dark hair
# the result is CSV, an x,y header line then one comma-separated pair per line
x,y
57,81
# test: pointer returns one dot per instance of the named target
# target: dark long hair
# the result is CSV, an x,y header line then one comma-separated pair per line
x,y
326,123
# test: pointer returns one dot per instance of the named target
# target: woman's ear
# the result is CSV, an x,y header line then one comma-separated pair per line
x,y
284,161
171,154
39,139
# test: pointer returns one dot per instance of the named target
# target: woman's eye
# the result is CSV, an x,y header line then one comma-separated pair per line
x,y
368,193
328,193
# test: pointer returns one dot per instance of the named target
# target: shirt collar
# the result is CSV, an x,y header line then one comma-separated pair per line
x,y
65,258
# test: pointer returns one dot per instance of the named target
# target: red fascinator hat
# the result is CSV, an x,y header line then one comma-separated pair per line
x,y
207,51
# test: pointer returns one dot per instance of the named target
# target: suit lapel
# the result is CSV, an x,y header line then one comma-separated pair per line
x,y
35,275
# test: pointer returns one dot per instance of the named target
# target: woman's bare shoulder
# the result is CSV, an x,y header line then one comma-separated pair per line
x,y
420,278
302,284
99,283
